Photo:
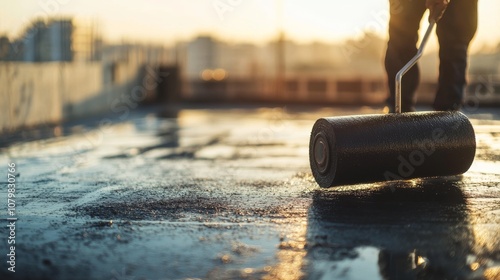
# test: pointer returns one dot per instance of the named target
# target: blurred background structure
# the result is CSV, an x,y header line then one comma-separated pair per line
x,y
57,64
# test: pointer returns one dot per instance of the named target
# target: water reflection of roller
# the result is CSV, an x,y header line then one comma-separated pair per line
x,y
418,231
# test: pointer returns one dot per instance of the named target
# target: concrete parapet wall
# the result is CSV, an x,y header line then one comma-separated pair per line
x,y
43,93
28,95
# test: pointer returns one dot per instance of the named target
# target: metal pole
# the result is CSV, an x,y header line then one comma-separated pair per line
x,y
409,65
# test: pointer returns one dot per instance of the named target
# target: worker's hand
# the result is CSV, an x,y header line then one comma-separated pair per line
x,y
436,8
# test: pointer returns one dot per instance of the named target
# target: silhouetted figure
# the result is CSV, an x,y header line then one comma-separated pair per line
x,y
455,29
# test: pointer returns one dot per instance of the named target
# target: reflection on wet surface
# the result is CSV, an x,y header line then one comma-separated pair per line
x,y
227,194
421,230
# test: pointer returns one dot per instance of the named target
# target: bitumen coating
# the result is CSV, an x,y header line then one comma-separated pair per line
x,y
221,192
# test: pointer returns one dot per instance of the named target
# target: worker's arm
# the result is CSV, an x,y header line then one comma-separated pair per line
x,y
436,8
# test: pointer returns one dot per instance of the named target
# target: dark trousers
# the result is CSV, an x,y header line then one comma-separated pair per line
x,y
455,31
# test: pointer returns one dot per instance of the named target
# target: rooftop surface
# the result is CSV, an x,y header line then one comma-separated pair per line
x,y
227,193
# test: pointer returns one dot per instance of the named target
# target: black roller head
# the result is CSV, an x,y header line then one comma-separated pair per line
x,y
372,148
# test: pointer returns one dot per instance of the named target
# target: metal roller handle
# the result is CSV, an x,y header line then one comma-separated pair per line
x,y
409,65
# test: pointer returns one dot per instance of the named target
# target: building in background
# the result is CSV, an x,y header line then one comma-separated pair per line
x,y
60,40
35,42
202,54
4,48
56,39
11,50
87,41
48,41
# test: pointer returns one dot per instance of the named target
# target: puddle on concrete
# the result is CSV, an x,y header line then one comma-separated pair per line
x,y
364,265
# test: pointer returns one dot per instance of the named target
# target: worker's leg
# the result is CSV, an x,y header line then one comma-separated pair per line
x,y
455,31
403,36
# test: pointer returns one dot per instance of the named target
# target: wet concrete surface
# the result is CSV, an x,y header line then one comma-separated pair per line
x,y
226,193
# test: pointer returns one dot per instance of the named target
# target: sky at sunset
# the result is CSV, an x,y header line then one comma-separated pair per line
x,y
234,20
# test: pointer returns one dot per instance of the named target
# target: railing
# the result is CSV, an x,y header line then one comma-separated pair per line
x,y
301,89
325,90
